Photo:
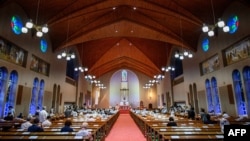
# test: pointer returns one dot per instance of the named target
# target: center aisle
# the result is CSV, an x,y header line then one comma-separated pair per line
x,y
125,129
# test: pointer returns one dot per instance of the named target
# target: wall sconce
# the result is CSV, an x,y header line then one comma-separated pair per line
x,y
210,28
169,68
67,56
183,54
40,30
82,69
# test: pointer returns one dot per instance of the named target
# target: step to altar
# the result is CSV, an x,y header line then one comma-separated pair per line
x,y
124,111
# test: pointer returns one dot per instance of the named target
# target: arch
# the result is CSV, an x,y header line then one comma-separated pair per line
x,y
239,94
3,83
246,78
133,88
215,96
11,91
209,95
33,101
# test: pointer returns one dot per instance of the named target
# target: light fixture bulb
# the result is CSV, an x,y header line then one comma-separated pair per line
x,y
205,28
68,58
221,23
176,55
24,30
173,69
181,57
72,56
185,53
59,56
64,54
210,33
163,68
29,24
76,69
39,34
226,29
45,29
190,55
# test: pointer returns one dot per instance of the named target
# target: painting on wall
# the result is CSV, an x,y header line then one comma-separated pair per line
x,y
39,65
237,52
210,65
12,53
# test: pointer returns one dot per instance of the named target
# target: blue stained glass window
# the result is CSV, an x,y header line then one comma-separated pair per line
x,y
216,100
43,45
233,23
33,101
209,95
239,94
16,24
205,44
246,77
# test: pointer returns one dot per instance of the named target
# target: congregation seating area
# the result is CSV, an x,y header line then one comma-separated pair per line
x,y
99,128
155,129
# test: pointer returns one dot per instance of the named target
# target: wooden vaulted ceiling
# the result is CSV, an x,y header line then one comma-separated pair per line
x,y
109,39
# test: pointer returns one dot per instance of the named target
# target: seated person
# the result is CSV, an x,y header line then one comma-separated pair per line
x,y
208,120
35,126
191,114
84,132
26,124
171,122
9,117
20,115
67,127
47,122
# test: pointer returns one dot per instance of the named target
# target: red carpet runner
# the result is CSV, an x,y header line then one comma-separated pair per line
x,y
125,129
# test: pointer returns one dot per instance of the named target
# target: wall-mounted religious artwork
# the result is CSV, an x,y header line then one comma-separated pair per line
x,y
39,65
210,65
237,52
12,53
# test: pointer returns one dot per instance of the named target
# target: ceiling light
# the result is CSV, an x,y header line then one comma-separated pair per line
x,y
209,29
39,29
67,55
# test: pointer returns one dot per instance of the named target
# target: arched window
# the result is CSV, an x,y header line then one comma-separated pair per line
x,y
11,91
239,94
3,82
209,95
40,94
215,95
246,77
33,101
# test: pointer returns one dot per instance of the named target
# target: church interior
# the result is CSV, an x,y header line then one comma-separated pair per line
x,y
141,59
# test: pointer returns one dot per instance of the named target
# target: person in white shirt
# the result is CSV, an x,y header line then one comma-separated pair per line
x,y
224,121
84,132
43,115
47,122
26,124
12,111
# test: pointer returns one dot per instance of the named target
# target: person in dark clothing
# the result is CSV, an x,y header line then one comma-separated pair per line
x,y
9,117
191,114
209,121
171,122
35,127
67,127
